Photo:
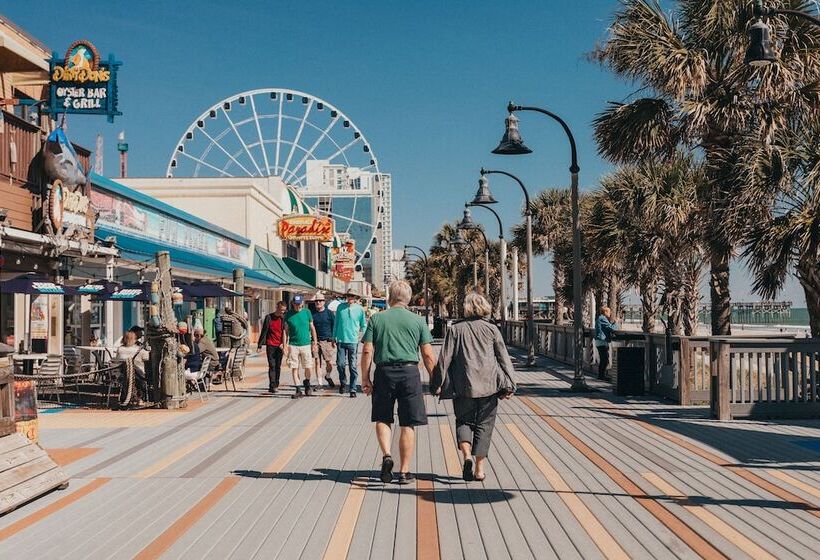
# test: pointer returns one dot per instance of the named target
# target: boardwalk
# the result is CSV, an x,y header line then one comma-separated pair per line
x,y
248,475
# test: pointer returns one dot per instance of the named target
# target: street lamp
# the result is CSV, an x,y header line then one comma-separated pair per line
x,y
761,49
467,223
503,248
426,290
512,144
513,139
458,240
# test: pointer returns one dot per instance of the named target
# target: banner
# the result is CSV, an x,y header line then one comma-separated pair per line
x,y
39,317
302,227
344,261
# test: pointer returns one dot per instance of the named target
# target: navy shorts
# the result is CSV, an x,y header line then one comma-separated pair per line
x,y
402,384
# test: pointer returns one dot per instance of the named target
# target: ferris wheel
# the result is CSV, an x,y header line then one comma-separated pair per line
x,y
297,137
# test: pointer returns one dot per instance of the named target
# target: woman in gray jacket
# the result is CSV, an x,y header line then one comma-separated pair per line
x,y
474,369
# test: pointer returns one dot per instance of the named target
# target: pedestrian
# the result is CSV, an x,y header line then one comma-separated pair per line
x,y
272,337
393,340
299,343
323,323
348,328
474,369
604,328
201,347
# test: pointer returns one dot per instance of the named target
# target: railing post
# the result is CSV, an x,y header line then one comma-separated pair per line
x,y
720,373
685,375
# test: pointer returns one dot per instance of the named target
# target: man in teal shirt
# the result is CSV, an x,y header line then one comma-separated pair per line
x,y
348,327
393,340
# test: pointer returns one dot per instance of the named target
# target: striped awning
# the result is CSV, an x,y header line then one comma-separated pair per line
x,y
297,205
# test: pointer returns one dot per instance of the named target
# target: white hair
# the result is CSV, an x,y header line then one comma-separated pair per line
x,y
399,292
476,305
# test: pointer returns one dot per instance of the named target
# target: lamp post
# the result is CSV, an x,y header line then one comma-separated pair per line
x,y
503,248
512,144
426,292
485,194
467,223
761,50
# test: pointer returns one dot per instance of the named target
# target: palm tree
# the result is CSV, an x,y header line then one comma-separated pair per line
x,y
644,221
551,226
787,238
702,95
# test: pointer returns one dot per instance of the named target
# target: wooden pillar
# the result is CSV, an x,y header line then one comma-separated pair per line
x,y
686,376
720,404
239,286
168,376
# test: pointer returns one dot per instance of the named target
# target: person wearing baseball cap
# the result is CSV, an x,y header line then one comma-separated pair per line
x,y
349,327
323,323
300,342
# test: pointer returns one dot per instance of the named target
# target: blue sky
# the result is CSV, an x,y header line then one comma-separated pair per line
x,y
427,82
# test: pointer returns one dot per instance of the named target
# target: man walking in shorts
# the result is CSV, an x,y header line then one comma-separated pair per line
x,y
300,341
323,323
393,340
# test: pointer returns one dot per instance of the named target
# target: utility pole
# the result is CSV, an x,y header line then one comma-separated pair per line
x,y
99,152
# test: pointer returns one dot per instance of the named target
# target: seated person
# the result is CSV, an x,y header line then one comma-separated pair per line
x,y
201,346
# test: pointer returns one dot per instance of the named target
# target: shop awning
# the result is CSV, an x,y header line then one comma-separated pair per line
x,y
267,263
134,248
196,290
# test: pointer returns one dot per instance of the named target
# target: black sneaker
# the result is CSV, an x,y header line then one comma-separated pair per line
x,y
352,394
405,478
342,388
329,381
467,471
308,388
386,474
297,394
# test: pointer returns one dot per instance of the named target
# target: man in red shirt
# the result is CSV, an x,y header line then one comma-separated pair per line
x,y
271,337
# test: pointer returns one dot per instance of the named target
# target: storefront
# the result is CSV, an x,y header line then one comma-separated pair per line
x,y
140,226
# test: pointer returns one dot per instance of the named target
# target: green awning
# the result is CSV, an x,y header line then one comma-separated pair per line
x,y
266,262
301,270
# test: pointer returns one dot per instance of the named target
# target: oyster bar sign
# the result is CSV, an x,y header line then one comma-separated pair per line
x,y
82,83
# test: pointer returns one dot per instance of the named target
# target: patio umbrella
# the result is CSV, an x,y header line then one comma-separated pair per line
x,y
195,290
128,292
31,284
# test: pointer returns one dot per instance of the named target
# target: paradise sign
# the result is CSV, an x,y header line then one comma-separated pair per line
x,y
82,83
301,227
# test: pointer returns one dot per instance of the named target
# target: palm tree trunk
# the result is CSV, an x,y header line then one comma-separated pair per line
x,y
558,290
649,303
809,277
721,299
614,296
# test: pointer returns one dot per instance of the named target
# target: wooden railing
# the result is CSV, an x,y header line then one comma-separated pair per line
x,y
764,375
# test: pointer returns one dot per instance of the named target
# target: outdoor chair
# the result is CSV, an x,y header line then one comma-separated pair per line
x,y
50,376
200,384
239,362
228,373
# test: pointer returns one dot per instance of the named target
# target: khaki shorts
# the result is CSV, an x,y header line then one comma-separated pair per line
x,y
327,352
300,356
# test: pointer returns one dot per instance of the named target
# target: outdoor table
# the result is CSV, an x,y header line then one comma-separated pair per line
x,y
30,361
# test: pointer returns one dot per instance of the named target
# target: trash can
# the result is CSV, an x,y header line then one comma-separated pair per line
x,y
630,363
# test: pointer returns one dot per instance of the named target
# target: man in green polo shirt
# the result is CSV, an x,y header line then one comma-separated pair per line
x,y
393,339
300,340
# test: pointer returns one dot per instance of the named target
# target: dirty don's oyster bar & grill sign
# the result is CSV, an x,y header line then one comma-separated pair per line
x,y
83,84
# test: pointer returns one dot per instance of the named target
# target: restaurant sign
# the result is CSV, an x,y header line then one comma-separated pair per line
x,y
70,211
302,227
344,261
82,83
